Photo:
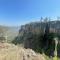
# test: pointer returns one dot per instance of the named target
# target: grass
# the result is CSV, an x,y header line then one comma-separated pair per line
x,y
52,58
55,58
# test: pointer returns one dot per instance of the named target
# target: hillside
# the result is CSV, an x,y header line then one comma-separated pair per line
x,y
39,36
10,32
37,28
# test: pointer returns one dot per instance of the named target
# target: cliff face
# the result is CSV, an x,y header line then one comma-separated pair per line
x,y
37,27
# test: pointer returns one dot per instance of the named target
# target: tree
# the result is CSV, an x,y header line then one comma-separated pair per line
x,y
45,38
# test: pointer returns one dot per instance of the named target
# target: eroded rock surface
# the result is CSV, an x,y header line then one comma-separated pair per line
x,y
12,52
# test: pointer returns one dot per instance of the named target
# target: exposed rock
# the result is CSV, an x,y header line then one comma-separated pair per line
x,y
18,53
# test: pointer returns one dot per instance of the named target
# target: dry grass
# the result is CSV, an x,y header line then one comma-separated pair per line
x,y
12,52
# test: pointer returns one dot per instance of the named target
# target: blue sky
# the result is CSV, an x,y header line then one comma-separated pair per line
x,y
19,12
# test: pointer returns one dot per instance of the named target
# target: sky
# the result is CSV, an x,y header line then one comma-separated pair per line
x,y
19,12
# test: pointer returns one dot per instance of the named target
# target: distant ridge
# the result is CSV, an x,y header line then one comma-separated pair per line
x,y
10,31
